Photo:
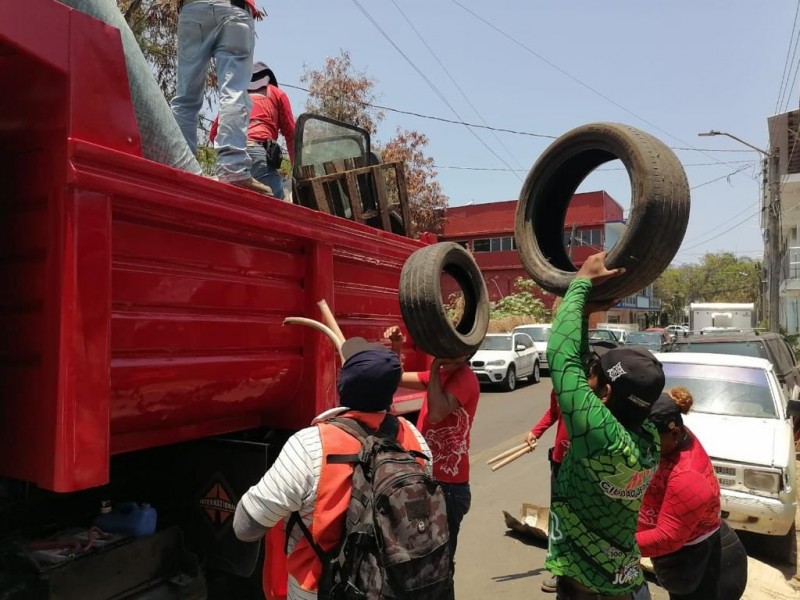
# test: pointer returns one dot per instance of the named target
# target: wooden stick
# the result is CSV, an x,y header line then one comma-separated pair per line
x,y
512,458
329,319
317,325
507,453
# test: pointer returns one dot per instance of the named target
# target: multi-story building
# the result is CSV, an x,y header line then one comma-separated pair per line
x,y
784,137
594,222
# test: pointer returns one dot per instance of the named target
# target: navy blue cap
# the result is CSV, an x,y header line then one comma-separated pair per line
x,y
369,377
666,414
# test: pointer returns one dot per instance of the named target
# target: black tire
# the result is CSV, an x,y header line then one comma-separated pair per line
x,y
536,376
509,383
423,310
656,224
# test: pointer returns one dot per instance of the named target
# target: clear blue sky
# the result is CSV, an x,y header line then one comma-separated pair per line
x,y
679,67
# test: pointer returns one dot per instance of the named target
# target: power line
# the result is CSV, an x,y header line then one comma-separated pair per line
x,y
728,176
569,75
500,169
720,234
488,127
455,83
435,89
788,61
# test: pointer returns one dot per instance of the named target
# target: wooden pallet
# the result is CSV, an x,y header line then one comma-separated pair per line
x,y
374,195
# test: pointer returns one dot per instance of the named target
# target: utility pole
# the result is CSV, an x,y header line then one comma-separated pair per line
x,y
775,258
773,255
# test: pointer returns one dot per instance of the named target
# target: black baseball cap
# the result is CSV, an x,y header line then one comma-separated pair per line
x,y
636,377
369,376
666,414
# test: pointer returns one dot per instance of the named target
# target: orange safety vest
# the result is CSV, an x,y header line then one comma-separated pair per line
x,y
333,498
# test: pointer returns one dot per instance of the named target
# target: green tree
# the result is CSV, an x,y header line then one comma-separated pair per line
x,y
721,277
340,91
524,302
427,202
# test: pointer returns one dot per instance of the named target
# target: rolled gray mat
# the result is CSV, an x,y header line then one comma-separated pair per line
x,y
162,140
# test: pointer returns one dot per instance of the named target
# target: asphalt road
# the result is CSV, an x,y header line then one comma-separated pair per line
x,y
491,563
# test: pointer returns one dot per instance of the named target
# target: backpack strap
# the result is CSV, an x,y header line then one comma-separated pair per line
x,y
295,519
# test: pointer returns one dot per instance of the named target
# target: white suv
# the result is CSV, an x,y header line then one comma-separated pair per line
x,y
504,358
740,417
540,334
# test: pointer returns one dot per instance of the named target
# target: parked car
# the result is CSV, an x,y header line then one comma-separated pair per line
x,y
653,340
620,334
740,417
540,334
605,335
677,330
768,345
503,358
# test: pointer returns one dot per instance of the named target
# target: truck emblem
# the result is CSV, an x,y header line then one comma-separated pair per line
x,y
217,503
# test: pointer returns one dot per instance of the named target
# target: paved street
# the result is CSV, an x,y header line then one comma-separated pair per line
x,y
490,562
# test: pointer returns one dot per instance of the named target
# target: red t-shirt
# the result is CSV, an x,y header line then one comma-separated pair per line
x,y
270,115
681,504
553,415
449,438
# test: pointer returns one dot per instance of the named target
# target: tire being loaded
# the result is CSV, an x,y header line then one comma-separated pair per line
x,y
421,302
656,223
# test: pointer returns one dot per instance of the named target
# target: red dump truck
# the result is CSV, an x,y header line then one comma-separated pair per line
x,y
143,354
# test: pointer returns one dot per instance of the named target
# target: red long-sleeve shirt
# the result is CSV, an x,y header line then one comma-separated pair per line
x,y
271,114
553,415
682,503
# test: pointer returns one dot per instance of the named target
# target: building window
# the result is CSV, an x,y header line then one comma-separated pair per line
x,y
495,244
481,246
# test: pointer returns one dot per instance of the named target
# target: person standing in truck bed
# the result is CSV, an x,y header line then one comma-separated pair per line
x,y
225,31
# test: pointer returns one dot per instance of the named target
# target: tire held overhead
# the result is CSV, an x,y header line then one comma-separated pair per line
x,y
656,223
422,307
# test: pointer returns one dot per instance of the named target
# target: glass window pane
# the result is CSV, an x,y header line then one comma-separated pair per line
x,y
506,243
481,245
495,245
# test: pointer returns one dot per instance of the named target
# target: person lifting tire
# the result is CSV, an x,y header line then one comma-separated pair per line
x,y
657,220
421,305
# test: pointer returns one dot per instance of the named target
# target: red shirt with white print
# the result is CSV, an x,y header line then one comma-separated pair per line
x,y
682,504
449,438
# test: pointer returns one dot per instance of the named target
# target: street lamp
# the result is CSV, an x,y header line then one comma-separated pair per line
x,y
714,132
770,170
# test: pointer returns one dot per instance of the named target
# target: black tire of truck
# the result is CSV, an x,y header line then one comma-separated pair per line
x,y
656,224
421,305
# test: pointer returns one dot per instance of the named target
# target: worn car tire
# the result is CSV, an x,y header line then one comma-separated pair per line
x,y
509,383
536,376
423,310
656,224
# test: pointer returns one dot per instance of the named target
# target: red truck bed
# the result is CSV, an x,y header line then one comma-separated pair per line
x,y
142,305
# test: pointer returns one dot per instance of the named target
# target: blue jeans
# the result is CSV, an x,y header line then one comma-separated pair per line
x,y
264,173
458,498
216,29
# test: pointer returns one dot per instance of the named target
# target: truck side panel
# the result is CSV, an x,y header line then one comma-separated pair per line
x,y
143,306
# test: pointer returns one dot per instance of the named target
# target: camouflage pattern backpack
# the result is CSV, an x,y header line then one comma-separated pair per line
x,y
396,539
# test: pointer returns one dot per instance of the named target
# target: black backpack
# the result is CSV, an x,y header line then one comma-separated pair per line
x,y
396,542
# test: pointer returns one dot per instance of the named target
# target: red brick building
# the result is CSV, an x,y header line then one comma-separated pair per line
x,y
594,221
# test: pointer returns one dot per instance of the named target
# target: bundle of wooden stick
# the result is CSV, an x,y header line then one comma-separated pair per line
x,y
509,456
